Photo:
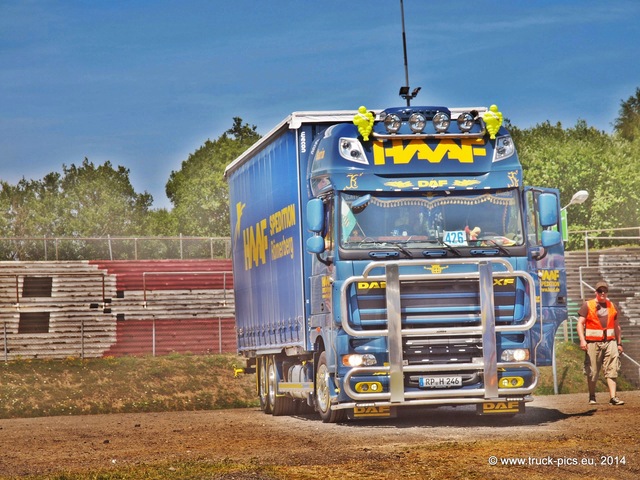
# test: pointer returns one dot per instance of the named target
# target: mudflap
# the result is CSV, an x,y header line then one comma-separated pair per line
x,y
500,407
369,411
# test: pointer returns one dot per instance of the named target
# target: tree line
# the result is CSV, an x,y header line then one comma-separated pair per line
x,y
89,200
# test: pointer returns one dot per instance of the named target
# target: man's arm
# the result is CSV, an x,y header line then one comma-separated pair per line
x,y
618,333
580,328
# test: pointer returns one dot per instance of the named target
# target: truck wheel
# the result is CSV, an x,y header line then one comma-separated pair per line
x,y
263,387
323,394
280,404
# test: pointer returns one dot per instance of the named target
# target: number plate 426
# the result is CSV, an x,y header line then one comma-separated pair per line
x,y
455,238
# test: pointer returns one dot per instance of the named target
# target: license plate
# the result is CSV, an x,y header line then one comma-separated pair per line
x,y
440,381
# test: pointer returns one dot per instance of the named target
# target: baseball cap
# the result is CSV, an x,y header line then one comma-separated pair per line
x,y
602,284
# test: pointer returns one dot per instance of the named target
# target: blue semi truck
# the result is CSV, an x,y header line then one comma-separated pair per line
x,y
393,259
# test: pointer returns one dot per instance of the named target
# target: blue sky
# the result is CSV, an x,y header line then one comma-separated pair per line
x,y
145,83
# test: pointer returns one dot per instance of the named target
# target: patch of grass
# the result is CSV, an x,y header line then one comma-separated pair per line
x,y
570,373
225,469
36,388
187,470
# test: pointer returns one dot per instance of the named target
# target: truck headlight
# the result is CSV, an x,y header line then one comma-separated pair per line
x,y
351,149
504,148
515,355
358,360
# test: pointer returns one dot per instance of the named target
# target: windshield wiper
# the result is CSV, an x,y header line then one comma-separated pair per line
x,y
379,244
493,243
449,247
402,249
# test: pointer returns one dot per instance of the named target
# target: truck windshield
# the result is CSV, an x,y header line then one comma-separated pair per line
x,y
450,219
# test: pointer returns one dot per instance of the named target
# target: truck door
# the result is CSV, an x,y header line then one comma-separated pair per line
x,y
320,301
546,264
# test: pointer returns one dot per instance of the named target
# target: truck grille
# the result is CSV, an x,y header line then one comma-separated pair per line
x,y
432,304
439,350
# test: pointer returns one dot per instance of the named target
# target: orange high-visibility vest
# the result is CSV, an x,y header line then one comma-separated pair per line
x,y
593,328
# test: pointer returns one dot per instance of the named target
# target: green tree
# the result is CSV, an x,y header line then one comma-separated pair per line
x,y
198,191
101,201
627,124
580,158
83,201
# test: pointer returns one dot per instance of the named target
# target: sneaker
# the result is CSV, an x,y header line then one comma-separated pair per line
x,y
616,401
592,400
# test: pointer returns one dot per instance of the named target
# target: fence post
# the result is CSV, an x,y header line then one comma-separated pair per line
x,y
181,247
153,338
6,349
219,335
45,248
82,338
554,370
586,246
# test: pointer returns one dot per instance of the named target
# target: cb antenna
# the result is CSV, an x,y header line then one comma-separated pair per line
x,y
404,91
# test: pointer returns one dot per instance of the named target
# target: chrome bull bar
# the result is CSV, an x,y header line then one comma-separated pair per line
x,y
395,333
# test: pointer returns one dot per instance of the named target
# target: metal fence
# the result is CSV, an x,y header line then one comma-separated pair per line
x,y
114,248
607,238
135,337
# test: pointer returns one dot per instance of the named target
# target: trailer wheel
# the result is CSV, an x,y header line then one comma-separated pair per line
x,y
263,385
323,394
280,404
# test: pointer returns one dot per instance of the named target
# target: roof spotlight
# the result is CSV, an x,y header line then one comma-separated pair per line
x,y
417,122
441,122
392,123
465,122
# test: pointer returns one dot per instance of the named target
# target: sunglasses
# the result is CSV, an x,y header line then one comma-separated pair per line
x,y
602,291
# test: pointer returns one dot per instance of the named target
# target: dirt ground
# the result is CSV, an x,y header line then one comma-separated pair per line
x,y
558,437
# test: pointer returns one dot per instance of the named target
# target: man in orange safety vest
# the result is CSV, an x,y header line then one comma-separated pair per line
x,y
600,338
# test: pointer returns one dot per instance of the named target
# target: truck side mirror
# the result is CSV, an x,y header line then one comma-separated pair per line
x,y
315,244
548,209
315,215
550,238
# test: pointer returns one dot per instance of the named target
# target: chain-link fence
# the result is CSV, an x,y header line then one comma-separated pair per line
x,y
114,248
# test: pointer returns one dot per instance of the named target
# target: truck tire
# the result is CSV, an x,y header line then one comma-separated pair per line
x,y
323,394
280,404
263,387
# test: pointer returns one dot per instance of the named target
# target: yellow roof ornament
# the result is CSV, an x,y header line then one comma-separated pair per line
x,y
493,120
364,121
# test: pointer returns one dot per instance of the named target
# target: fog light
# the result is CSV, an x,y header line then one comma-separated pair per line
x,y
368,387
358,360
511,382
